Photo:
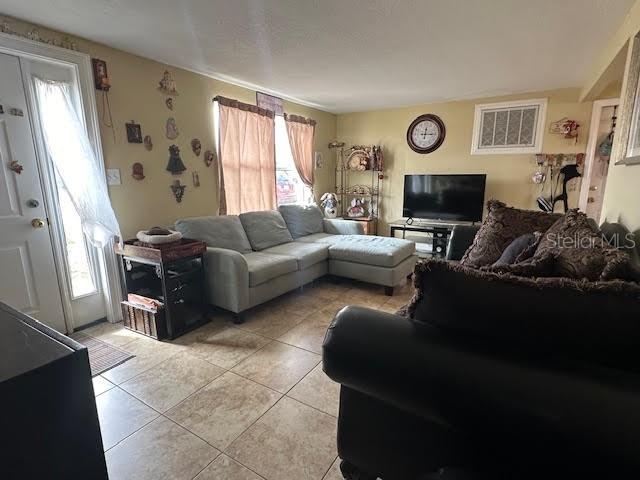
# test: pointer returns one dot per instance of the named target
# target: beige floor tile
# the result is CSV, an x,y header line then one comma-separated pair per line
x,y
148,353
113,333
318,391
223,409
270,321
300,304
171,381
225,468
101,385
310,333
227,347
291,441
120,415
277,366
334,472
161,450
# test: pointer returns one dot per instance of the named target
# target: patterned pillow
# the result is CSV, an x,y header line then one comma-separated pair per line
x,y
580,251
501,227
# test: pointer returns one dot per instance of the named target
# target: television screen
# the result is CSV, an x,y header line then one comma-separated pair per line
x,y
444,197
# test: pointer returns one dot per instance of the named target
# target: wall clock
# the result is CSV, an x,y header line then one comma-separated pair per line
x,y
426,133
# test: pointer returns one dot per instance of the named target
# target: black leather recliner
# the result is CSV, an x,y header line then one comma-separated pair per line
x,y
419,401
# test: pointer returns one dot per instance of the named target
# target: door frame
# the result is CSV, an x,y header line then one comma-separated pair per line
x,y
81,64
596,115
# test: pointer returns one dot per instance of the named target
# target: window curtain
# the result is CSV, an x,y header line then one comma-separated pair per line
x,y
301,131
75,163
247,162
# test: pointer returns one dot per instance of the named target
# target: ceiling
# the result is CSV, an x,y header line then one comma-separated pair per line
x,y
352,55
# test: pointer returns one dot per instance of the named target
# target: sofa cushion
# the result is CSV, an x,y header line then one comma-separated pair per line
x,y
380,251
501,227
515,250
224,231
265,229
328,238
580,251
264,267
306,254
302,220
594,321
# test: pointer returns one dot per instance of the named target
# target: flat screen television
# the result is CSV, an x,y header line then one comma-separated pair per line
x,y
444,197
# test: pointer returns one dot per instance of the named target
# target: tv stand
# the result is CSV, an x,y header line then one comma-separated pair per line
x,y
438,234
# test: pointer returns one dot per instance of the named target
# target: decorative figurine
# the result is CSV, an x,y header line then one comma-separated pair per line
x,y
134,132
178,190
14,166
209,157
356,210
196,146
329,202
172,129
167,85
169,103
148,143
137,171
175,165
195,176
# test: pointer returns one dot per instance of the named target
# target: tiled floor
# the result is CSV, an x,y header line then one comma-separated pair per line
x,y
228,402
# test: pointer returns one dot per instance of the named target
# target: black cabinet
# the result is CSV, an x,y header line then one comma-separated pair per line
x,y
49,421
178,283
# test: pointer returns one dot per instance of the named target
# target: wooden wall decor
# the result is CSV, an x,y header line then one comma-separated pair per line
x,y
172,129
134,132
137,171
100,77
196,146
178,190
175,165
209,157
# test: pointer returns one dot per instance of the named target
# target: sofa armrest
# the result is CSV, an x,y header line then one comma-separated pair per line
x,y
478,387
461,239
227,279
338,226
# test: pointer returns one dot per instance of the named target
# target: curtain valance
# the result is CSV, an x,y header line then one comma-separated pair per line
x,y
246,107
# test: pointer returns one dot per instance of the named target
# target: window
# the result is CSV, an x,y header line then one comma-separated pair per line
x,y
289,186
509,127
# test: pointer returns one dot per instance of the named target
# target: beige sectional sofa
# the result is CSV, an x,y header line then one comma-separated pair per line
x,y
257,256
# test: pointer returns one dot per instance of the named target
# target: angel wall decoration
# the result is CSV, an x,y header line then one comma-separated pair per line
x,y
167,85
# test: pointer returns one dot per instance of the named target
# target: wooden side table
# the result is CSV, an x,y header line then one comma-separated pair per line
x,y
174,277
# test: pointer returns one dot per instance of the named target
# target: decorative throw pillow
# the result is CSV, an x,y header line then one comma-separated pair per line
x,y
580,250
516,248
501,227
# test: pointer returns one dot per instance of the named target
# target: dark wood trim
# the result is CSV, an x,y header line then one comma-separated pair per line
x,y
247,107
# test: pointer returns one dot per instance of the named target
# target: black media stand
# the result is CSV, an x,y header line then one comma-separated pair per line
x,y
438,235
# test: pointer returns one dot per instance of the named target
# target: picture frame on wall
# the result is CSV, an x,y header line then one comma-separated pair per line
x,y
269,102
134,132
629,123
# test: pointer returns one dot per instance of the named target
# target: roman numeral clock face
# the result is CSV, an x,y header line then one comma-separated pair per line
x,y
426,133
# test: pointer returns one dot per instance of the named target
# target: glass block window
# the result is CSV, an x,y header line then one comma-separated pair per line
x,y
512,127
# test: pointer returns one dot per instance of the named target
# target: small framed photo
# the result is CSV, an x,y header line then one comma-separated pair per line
x,y
269,102
100,76
134,132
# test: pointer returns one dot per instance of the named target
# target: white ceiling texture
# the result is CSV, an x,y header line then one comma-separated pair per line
x,y
353,55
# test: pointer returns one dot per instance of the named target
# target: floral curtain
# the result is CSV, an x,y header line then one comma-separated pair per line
x,y
247,157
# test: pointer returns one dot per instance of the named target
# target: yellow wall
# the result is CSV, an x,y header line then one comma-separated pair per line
x,y
508,176
133,96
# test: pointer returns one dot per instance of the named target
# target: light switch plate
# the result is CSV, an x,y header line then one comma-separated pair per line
x,y
113,176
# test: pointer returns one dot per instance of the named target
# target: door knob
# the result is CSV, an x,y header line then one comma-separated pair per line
x,y
37,223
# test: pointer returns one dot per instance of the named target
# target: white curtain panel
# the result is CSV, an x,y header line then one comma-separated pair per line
x,y
75,162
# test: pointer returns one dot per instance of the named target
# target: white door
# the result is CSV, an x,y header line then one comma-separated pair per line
x,y
77,259
28,279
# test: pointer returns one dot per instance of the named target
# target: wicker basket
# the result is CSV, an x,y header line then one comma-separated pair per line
x,y
143,320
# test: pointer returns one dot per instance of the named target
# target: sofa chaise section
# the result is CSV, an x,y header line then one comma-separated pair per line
x,y
256,256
